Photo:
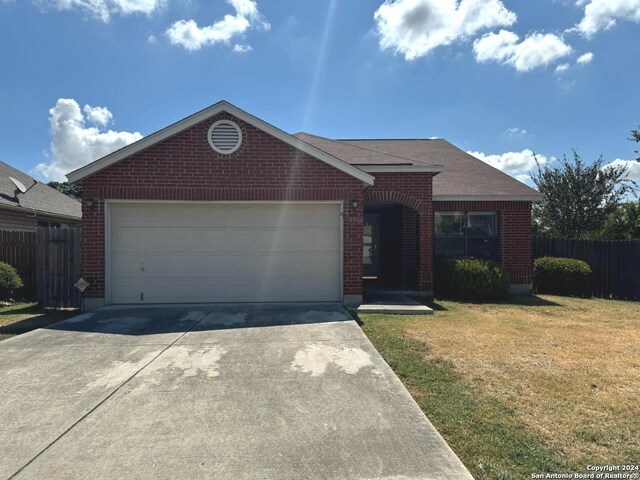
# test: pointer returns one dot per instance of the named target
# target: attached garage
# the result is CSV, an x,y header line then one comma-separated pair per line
x,y
183,252
221,207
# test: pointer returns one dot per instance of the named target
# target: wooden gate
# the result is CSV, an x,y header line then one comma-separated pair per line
x,y
58,266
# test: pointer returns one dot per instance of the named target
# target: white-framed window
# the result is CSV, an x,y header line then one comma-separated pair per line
x,y
225,137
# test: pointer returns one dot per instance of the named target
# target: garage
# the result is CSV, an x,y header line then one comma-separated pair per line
x,y
182,252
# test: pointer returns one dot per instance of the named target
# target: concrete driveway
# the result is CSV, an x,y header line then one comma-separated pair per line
x,y
210,391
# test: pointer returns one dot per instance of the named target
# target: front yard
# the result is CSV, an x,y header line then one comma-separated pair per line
x,y
543,384
23,317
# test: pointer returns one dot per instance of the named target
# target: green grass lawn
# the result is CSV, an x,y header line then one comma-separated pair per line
x,y
543,384
24,317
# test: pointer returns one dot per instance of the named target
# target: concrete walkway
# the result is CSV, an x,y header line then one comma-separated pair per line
x,y
393,304
225,392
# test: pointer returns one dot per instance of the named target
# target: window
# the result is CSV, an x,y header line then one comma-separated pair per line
x,y
470,234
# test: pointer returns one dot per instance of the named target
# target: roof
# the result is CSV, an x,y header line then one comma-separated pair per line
x,y
202,115
39,197
462,177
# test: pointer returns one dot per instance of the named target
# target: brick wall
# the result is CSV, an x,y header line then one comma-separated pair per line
x,y
410,247
184,167
515,233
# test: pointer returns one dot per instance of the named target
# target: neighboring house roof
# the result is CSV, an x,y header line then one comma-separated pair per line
x,y
211,111
462,177
39,197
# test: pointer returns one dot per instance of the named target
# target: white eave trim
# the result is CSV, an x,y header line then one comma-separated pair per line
x,y
196,118
401,168
534,197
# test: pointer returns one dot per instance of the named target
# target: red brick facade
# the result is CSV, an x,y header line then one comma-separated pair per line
x,y
410,248
184,167
515,233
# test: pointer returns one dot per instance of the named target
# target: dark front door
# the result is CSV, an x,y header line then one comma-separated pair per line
x,y
371,246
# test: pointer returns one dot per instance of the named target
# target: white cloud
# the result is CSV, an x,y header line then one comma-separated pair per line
x,y
536,50
192,37
585,58
415,27
515,132
242,48
632,165
105,9
152,39
603,14
74,143
98,115
563,67
516,164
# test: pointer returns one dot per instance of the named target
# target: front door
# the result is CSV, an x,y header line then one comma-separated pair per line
x,y
370,246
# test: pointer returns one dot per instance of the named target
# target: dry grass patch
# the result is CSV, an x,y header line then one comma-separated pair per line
x,y
569,368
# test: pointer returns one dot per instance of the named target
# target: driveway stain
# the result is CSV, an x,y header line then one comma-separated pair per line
x,y
179,362
316,358
119,372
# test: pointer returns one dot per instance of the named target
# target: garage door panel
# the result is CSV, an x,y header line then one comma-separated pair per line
x,y
224,252
225,215
228,266
151,240
193,291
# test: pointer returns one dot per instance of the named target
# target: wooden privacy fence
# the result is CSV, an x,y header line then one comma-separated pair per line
x,y
48,262
615,263
19,250
58,266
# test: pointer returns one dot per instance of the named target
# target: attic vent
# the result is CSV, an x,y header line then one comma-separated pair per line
x,y
225,136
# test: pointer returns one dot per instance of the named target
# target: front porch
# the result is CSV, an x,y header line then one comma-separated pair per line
x,y
391,258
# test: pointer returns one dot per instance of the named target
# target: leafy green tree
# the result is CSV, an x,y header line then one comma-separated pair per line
x,y
69,189
622,224
578,197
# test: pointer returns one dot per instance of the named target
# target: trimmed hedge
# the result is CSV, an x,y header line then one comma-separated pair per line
x,y
9,280
470,279
562,276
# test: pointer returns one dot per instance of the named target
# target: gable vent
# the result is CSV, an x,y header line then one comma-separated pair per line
x,y
225,136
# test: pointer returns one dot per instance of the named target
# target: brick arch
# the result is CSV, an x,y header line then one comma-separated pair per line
x,y
376,196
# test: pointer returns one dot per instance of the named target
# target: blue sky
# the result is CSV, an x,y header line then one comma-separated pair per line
x,y
498,78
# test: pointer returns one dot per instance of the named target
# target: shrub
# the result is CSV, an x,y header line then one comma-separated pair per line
x,y
562,276
9,280
470,279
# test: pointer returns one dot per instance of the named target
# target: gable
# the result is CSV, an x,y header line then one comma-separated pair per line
x,y
181,140
187,161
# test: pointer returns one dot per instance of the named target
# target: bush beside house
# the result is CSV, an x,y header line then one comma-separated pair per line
x,y
9,280
562,276
470,279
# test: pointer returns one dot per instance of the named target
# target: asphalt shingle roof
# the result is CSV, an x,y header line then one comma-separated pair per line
x,y
463,174
39,197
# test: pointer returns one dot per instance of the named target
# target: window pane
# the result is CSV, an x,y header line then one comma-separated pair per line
x,y
449,224
450,247
482,225
486,248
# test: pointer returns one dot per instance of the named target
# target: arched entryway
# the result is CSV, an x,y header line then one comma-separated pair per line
x,y
396,243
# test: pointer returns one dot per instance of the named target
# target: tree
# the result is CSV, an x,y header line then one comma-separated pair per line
x,y
69,189
623,223
635,137
578,197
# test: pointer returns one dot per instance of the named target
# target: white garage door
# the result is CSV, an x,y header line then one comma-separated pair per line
x,y
239,252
